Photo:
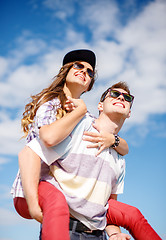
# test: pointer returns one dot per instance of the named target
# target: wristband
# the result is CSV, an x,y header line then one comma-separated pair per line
x,y
117,141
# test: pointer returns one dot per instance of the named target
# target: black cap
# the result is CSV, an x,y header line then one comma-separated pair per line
x,y
80,55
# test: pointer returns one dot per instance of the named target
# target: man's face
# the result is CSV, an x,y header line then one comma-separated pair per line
x,y
115,104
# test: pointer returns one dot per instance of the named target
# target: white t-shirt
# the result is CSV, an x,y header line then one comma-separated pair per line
x,y
86,181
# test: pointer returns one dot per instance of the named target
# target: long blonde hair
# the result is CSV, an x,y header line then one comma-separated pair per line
x,y
47,94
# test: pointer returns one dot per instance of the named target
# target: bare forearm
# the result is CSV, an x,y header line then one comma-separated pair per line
x,y
122,148
115,233
57,131
112,230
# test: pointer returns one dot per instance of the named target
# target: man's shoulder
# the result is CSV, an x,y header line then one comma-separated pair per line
x,y
87,121
90,115
90,118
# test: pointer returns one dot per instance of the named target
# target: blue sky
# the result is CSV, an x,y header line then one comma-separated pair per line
x,y
128,38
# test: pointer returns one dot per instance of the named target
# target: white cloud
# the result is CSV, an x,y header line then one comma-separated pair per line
x,y
101,17
11,218
137,55
27,46
4,160
10,137
8,217
145,37
110,57
5,192
61,8
4,66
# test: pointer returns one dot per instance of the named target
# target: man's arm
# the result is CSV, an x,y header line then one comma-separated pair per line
x,y
115,233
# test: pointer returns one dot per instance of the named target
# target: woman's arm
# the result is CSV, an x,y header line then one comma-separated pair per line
x,y
57,131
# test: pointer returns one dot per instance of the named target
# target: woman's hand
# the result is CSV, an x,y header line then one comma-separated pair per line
x,y
36,212
72,103
100,140
120,236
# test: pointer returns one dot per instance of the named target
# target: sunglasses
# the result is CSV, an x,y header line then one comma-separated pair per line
x,y
116,94
81,66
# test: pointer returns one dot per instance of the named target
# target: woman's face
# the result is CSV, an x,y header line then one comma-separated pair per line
x,y
79,78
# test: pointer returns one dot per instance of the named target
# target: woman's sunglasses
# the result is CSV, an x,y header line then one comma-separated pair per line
x,y
81,66
116,94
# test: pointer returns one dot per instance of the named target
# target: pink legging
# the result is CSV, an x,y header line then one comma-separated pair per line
x,y
56,215
55,223
131,219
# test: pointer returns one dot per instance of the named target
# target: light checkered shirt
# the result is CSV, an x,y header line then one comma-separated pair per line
x,y
45,115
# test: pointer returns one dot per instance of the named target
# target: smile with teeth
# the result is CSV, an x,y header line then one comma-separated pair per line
x,y
80,76
119,104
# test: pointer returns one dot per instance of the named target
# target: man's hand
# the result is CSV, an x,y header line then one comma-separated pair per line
x,y
120,236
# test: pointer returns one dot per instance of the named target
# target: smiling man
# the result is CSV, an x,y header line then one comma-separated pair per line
x,y
91,183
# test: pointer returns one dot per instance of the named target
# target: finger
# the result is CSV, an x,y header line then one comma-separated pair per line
x,y
69,99
91,139
95,126
93,145
39,218
127,236
92,134
99,151
69,106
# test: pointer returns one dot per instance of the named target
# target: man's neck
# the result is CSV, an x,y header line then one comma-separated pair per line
x,y
111,124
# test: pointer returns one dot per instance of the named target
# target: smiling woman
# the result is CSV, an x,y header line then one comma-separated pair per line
x,y
39,119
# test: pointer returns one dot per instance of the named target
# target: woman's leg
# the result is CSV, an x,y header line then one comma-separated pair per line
x,y
21,207
130,218
55,212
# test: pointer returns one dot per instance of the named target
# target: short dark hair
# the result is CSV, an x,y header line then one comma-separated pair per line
x,y
122,85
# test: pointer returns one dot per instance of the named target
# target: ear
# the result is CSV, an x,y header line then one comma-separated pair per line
x,y
100,106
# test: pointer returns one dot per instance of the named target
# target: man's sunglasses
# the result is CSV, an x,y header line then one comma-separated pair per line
x,y
116,94
81,66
